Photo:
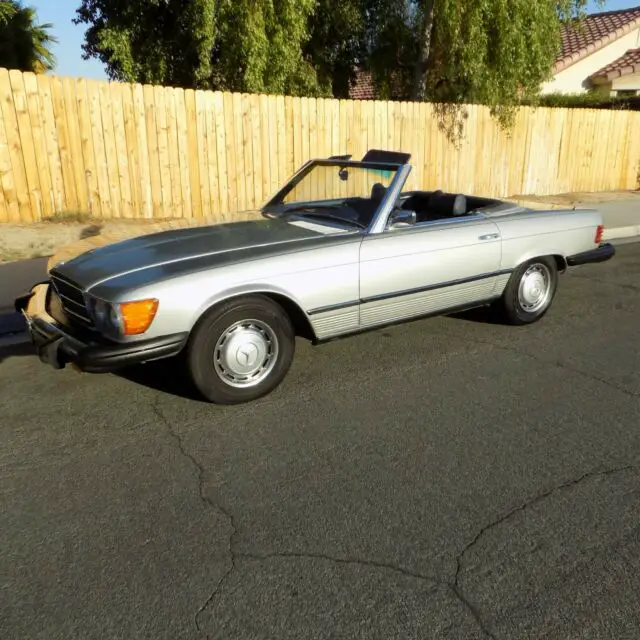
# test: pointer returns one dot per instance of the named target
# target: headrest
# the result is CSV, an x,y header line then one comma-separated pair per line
x,y
448,204
378,191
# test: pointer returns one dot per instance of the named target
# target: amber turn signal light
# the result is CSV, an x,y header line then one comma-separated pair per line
x,y
137,316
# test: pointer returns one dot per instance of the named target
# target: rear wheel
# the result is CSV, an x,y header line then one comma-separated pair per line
x,y
530,291
241,350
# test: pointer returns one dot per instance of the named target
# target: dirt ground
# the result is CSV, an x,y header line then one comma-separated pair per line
x,y
580,197
22,241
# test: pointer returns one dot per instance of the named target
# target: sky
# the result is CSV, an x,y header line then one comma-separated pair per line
x,y
70,37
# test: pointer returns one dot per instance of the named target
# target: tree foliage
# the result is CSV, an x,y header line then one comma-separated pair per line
x,y
239,45
24,44
496,52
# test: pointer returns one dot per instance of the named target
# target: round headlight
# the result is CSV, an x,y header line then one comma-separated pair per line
x,y
105,316
114,320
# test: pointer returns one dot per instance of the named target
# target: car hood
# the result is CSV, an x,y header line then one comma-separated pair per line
x,y
205,245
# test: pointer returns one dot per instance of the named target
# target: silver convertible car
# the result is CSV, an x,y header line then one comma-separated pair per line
x,y
342,247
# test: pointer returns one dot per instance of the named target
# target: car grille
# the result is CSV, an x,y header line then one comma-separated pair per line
x,y
67,296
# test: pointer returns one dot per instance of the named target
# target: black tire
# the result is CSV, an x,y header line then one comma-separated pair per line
x,y
511,306
207,368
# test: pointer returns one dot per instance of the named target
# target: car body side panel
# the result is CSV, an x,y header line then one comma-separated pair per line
x,y
322,281
417,270
541,233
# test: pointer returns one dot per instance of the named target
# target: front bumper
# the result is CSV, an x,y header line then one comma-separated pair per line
x,y
603,253
57,348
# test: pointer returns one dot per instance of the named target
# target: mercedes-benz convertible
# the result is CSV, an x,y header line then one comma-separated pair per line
x,y
342,247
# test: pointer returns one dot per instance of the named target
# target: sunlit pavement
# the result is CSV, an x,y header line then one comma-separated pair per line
x,y
449,478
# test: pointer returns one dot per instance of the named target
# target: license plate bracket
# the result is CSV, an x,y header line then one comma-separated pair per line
x,y
49,352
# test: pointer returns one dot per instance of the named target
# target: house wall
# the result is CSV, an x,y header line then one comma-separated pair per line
x,y
574,79
626,83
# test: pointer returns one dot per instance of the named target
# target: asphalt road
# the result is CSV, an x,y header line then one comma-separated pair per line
x,y
17,278
447,479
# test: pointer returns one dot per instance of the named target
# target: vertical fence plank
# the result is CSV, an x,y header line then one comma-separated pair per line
x,y
86,144
256,169
217,207
232,160
9,210
52,143
143,191
221,153
267,144
279,158
133,151
110,149
25,136
149,110
75,145
122,152
177,209
159,97
183,152
71,202
105,202
192,151
201,125
239,115
34,109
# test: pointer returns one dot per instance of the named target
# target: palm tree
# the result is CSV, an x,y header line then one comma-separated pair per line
x,y
24,44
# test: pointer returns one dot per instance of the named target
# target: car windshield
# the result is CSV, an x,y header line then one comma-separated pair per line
x,y
342,192
338,182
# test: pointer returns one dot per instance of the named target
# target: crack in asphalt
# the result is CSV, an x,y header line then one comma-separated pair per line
x,y
371,564
520,508
208,502
453,585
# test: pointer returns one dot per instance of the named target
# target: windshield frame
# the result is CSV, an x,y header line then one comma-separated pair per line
x,y
276,206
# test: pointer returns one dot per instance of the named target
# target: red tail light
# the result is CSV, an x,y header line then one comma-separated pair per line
x,y
599,232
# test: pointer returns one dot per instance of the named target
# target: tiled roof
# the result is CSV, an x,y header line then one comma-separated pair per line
x,y
625,65
593,33
362,89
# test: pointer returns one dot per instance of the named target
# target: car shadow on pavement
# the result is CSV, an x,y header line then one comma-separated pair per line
x,y
166,375
482,315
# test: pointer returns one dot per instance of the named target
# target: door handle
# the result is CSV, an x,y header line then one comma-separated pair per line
x,y
489,236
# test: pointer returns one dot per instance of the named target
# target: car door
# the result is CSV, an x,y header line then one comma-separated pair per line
x,y
427,268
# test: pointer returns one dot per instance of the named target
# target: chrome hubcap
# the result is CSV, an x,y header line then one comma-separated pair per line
x,y
246,353
535,288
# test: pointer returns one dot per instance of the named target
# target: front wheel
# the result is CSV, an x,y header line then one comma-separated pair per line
x,y
241,350
530,291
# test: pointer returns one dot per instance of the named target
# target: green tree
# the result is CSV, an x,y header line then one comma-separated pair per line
x,y
497,52
24,44
239,45
336,44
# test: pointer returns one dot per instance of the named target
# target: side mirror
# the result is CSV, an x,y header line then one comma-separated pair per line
x,y
402,218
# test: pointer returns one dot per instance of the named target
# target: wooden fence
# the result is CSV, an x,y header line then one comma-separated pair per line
x,y
120,150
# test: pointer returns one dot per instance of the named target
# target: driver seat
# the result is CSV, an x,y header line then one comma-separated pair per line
x,y
378,192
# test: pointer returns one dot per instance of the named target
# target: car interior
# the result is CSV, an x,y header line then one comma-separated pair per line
x,y
429,206
437,205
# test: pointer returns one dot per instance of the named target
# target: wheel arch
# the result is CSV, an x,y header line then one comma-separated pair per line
x,y
557,256
301,323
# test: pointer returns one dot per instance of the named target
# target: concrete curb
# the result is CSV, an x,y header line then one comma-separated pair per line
x,y
618,233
